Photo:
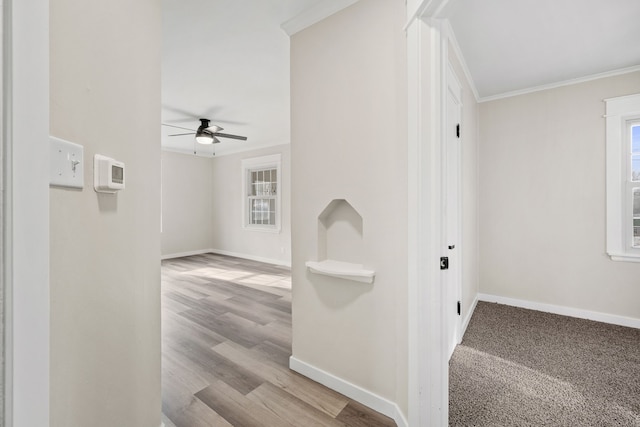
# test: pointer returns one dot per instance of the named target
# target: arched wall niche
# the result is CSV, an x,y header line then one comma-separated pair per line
x,y
340,243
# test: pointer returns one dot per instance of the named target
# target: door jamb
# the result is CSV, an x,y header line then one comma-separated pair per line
x,y
427,352
25,139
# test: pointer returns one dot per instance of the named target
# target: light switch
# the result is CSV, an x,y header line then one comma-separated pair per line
x,y
67,164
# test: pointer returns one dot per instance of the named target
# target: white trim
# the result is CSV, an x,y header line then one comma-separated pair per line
x,y
428,362
619,112
352,391
314,14
569,82
426,9
165,421
229,152
414,243
252,257
26,78
187,152
229,253
187,253
467,317
261,229
235,149
458,52
7,220
563,310
271,161
623,257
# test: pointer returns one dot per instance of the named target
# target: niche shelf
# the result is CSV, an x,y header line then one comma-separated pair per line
x,y
340,244
343,270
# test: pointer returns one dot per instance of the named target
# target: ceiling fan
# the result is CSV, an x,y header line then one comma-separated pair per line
x,y
206,133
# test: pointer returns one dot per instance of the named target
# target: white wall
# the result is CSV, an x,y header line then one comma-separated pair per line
x,y
202,207
105,249
349,141
227,220
187,203
469,183
542,200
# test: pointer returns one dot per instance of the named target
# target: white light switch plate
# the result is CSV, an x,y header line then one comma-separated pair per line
x,y
67,164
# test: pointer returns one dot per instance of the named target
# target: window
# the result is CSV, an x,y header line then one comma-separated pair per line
x,y
261,184
623,178
634,180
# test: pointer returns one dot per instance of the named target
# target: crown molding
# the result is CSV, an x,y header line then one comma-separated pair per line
x,y
314,14
226,152
569,82
428,9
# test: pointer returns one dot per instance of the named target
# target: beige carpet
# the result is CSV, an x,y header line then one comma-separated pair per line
x,y
518,367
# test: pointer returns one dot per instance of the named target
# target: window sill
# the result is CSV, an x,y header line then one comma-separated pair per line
x,y
624,257
273,230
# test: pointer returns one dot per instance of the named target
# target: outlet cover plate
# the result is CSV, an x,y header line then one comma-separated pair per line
x,y
66,164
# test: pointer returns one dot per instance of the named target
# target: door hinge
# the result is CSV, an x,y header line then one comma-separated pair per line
x,y
458,308
458,130
444,263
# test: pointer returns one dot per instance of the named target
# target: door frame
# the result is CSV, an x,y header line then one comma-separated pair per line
x,y
427,59
25,199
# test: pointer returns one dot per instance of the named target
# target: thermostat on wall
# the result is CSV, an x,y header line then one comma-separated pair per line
x,y
108,174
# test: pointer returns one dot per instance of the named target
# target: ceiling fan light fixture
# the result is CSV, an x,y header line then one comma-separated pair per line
x,y
204,138
206,134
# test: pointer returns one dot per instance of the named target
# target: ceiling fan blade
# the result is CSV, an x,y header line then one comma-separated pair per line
x,y
214,128
180,134
178,127
226,135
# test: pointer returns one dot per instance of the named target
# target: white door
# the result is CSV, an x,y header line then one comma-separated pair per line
x,y
452,222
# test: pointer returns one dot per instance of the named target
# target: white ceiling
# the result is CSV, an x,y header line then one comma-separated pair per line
x,y
511,45
228,60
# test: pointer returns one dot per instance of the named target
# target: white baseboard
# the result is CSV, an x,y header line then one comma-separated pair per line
x,y
352,391
564,311
183,254
228,253
252,257
165,421
467,318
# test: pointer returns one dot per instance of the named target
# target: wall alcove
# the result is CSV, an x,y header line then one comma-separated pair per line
x,y
340,244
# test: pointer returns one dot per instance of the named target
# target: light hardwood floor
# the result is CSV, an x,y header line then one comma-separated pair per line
x,y
226,342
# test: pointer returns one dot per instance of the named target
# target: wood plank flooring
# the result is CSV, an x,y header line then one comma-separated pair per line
x,y
226,342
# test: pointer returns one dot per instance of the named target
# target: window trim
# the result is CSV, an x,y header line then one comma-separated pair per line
x,y
273,161
620,112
